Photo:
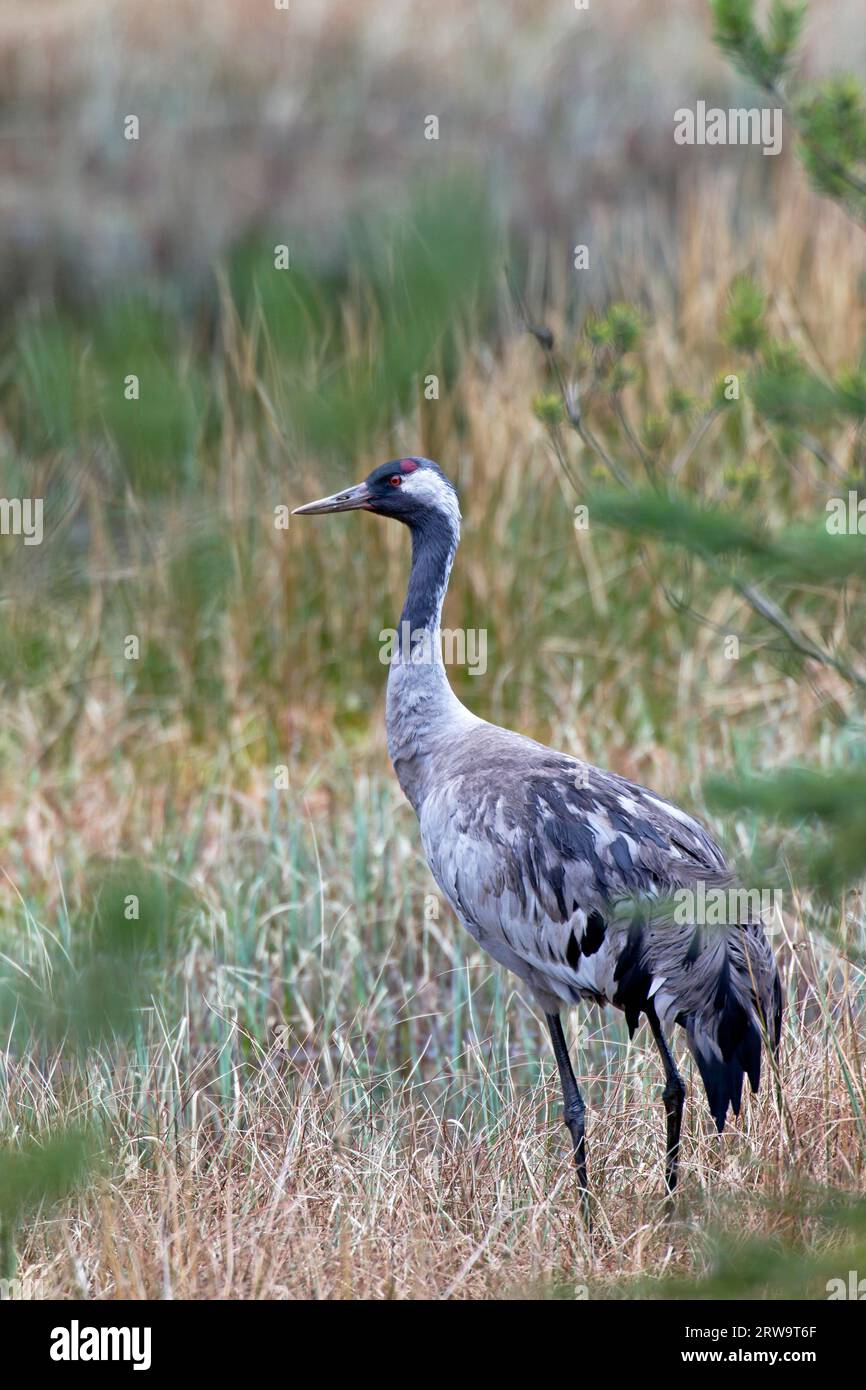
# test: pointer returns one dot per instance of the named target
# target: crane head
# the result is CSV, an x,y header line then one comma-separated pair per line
x,y
412,490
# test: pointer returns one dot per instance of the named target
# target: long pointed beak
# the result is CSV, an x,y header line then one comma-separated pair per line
x,y
347,501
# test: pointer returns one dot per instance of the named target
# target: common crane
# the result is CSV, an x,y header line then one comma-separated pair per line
x,y
553,865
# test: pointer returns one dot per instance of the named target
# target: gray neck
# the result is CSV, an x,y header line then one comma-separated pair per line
x,y
422,712
434,544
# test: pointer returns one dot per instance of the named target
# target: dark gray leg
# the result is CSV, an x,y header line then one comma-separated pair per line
x,y
575,1109
674,1095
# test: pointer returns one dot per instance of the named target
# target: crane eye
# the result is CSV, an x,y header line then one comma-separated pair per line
x,y
395,480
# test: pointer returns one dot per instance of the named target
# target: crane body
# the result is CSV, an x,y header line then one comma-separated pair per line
x,y
561,871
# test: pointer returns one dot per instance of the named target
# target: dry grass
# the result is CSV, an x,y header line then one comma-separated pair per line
x,y
369,1189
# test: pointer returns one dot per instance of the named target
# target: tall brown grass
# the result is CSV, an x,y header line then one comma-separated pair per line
x,y
334,1094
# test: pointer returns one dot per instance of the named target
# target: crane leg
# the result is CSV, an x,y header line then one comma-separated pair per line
x,y
574,1109
673,1095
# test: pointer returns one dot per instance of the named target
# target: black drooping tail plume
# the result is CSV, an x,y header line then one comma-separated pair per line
x,y
741,1008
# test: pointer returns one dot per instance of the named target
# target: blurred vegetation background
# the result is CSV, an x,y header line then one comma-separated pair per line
x,y
228,991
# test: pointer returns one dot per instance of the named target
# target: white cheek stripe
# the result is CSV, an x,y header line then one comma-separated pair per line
x,y
428,487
